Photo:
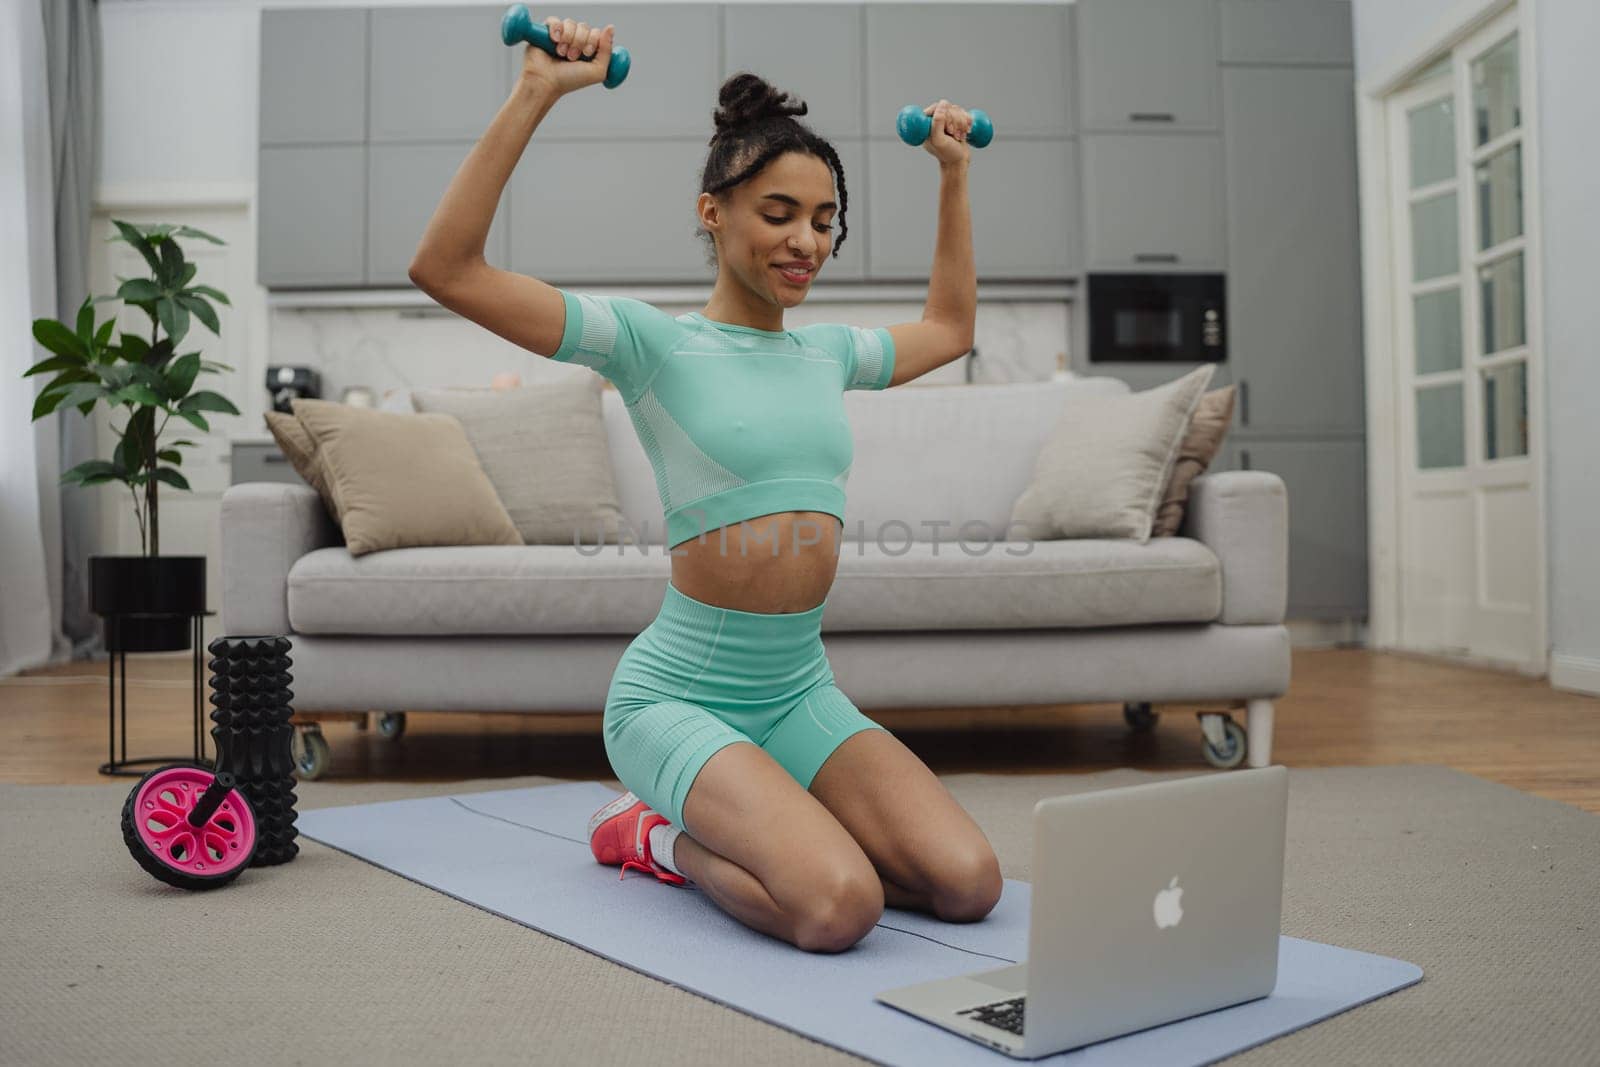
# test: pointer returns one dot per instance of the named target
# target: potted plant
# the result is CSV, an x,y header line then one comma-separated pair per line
x,y
147,599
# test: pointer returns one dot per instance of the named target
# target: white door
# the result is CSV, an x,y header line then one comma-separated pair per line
x,y
1468,359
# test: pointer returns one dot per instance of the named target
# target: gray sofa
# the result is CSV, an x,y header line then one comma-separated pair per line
x,y
915,617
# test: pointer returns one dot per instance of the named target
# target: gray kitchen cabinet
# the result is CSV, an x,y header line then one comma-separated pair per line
x,y
1286,31
1326,480
780,41
313,216
672,85
612,212
1148,64
437,74
260,461
1011,60
1023,203
313,76
1294,283
404,185
1154,203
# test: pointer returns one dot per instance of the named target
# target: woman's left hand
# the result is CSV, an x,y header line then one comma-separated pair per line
x,y
947,140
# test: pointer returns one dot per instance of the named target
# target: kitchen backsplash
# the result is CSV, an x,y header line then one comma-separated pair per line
x,y
414,348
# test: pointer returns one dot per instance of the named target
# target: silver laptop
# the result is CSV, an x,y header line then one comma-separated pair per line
x,y
1151,903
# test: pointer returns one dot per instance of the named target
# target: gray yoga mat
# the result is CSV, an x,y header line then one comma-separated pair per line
x,y
521,854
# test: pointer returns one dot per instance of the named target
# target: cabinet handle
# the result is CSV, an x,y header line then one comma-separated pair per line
x,y
1155,257
1244,403
269,458
1244,459
1152,116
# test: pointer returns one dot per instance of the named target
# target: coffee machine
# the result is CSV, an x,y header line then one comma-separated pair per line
x,y
286,382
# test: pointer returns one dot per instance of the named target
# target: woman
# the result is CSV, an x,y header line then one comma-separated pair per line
x,y
750,774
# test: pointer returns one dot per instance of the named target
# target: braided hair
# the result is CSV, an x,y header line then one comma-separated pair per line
x,y
755,124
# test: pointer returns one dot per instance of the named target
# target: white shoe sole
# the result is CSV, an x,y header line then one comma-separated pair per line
x,y
611,810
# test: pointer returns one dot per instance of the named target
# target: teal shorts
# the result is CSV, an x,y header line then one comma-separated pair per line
x,y
701,677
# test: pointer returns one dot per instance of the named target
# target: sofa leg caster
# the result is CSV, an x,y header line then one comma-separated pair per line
x,y
1259,724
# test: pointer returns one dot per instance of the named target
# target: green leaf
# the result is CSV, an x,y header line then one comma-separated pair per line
x,y
183,444
84,393
213,366
46,402
103,337
134,348
206,290
138,394
196,419
114,375
86,322
180,375
174,318
171,477
205,400
101,479
172,264
53,363
137,478
57,338
138,290
190,231
119,458
170,455
202,311
160,353
131,234
158,231
94,467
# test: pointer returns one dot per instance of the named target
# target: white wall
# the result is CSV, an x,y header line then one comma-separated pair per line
x,y
1566,33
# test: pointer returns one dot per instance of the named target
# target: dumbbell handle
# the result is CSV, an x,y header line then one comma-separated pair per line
x,y
914,126
517,25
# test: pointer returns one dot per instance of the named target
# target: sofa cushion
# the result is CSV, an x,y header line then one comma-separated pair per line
x,y
880,585
544,450
400,481
1207,427
1103,470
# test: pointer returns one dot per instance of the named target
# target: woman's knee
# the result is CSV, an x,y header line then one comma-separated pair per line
x,y
842,906
969,885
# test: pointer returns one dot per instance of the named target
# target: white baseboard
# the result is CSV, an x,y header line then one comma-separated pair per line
x,y
1577,674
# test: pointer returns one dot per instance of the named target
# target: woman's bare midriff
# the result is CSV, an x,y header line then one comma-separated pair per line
x,y
773,564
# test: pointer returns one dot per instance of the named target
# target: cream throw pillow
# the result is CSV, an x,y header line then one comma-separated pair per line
x,y
403,481
1102,470
301,451
1200,444
544,449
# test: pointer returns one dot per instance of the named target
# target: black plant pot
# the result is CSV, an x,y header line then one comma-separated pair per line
x,y
147,602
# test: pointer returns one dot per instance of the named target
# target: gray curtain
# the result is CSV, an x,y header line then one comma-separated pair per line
x,y
73,65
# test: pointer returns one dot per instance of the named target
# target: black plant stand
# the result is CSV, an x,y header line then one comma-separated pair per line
x,y
118,656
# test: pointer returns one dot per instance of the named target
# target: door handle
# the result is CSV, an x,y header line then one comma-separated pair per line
x,y
1244,402
1244,459
1152,116
1155,257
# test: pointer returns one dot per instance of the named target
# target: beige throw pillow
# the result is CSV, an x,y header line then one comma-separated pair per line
x,y
544,449
1206,429
403,481
301,450
1102,470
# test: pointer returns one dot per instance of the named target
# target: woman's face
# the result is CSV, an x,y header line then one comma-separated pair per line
x,y
782,216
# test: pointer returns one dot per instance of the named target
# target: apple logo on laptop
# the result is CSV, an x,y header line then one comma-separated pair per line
x,y
1168,909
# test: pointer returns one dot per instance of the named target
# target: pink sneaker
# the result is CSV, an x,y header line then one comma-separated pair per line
x,y
620,833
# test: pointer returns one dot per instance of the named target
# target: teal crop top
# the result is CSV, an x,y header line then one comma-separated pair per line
x,y
737,422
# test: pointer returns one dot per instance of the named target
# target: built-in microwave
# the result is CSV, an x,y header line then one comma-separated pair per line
x,y
1157,318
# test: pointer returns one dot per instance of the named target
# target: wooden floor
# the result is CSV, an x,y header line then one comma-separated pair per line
x,y
1344,707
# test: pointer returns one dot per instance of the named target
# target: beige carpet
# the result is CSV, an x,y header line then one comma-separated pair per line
x,y
1494,893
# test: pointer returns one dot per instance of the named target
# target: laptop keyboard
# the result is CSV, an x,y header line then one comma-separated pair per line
x,y
1003,1014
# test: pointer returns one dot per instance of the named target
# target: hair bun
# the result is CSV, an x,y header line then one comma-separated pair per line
x,y
746,99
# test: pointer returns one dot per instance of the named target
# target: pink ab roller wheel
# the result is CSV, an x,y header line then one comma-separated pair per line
x,y
189,827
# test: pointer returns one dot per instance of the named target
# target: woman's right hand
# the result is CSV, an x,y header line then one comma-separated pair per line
x,y
566,71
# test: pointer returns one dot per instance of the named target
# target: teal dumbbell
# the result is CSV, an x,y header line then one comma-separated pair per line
x,y
517,25
914,127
